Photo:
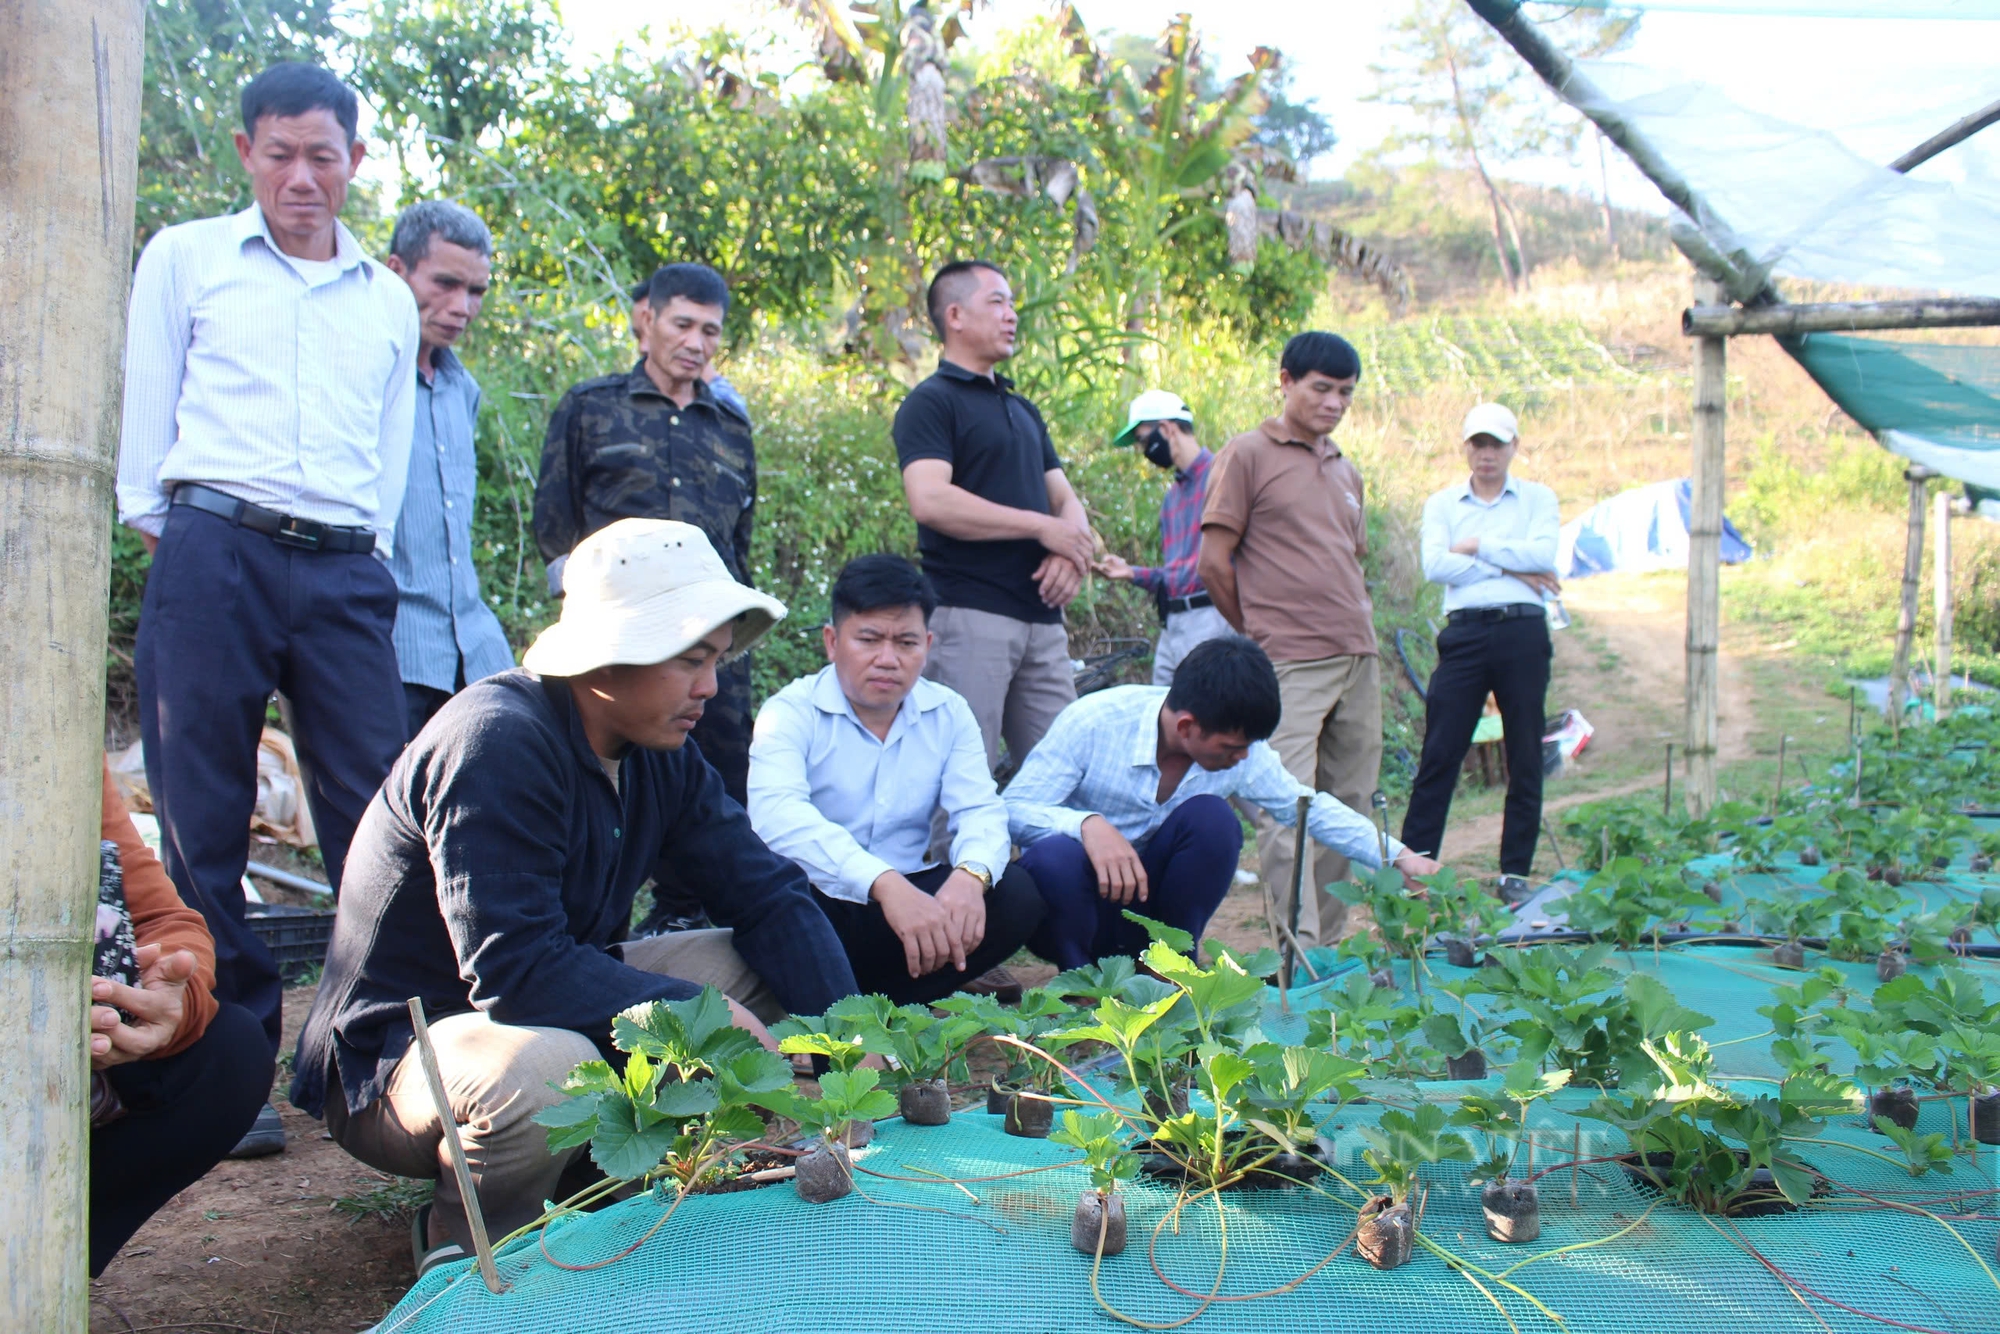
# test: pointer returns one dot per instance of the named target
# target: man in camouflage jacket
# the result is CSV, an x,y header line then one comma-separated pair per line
x,y
657,443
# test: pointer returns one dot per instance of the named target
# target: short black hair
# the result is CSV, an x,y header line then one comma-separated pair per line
x,y
1322,353
292,88
697,282
642,291
871,583
1229,685
949,286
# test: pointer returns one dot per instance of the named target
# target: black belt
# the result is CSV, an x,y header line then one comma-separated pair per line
x,y
286,530
1193,602
1506,612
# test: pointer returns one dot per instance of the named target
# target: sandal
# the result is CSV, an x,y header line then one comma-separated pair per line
x,y
422,1254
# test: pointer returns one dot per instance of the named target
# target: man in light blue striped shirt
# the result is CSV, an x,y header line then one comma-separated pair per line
x,y
1491,541
446,635
1124,803
270,373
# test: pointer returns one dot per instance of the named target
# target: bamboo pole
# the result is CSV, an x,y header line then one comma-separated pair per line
x,y
69,116
1956,132
1704,584
1840,316
1941,602
1913,567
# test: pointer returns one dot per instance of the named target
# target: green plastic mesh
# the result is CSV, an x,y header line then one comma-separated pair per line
x,y
918,1255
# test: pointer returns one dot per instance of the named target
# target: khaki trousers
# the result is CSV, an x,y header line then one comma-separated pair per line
x,y
496,1077
1016,675
1329,737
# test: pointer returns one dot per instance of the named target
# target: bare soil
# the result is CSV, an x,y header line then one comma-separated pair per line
x,y
260,1245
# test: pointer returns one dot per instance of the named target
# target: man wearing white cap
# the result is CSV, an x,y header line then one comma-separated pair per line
x,y
1163,426
1491,541
493,876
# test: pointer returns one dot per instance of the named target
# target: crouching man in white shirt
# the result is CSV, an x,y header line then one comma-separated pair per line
x,y
847,767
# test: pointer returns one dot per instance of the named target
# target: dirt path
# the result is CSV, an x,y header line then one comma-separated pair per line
x,y
1623,665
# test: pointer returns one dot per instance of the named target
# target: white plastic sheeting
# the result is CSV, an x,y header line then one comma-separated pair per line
x,y
1797,199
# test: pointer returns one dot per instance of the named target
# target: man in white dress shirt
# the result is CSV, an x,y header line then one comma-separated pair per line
x,y
1491,541
847,767
1125,803
270,376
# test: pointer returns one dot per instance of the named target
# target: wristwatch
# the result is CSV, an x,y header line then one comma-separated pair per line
x,y
977,872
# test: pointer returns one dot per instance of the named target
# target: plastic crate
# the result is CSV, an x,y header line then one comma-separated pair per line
x,y
297,937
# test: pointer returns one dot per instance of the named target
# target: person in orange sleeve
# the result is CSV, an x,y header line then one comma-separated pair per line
x,y
176,1076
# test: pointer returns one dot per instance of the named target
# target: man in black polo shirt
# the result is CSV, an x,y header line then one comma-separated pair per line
x,y
1003,537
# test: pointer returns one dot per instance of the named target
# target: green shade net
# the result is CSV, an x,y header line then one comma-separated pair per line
x,y
910,1253
1935,404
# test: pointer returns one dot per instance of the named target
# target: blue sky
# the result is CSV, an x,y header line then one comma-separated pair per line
x,y
1883,85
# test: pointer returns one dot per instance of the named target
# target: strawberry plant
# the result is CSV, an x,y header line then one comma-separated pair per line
x,y
1099,1225
1502,1117
682,1103
1631,903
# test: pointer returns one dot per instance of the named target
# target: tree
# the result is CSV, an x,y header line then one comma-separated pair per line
x,y
1475,102
1299,129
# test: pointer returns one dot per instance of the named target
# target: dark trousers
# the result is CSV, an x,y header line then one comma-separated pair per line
x,y
1190,861
723,735
182,1113
1509,659
1013,907
421,704
228,617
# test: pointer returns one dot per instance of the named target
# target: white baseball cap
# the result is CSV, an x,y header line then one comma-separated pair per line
x,y
642,590
1491,419
1155,405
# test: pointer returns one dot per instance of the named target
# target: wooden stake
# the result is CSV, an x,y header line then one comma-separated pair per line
x,y
1667,796
1778,794
69,140
1299,850
1941,603
467,1191
1913,569
1704,585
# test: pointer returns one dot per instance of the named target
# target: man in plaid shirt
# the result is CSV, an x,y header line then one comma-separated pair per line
x,y
1164,428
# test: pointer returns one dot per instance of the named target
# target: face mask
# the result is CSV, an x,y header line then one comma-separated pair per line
x,y
1158,452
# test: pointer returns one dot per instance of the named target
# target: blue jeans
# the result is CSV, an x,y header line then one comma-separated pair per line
x,y
1190,860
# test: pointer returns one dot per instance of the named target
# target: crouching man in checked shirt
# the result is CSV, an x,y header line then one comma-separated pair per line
x,y
1125,804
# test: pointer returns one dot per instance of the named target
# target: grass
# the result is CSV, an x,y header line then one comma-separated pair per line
x,y
395,1199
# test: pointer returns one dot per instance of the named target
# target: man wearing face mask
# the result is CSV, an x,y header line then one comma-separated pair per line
x,y
1163,427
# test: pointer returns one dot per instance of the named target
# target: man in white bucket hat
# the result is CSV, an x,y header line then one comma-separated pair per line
x,y
494,874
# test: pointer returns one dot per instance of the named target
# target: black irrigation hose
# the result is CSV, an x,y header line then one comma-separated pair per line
x,y
1737,940
1422,687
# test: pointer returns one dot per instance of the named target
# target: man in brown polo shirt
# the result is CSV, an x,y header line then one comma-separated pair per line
x,y
1282,540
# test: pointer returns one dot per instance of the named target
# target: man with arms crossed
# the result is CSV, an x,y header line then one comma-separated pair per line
x,y
847,769
1003,537
494,874
1491,541
1163,426
1282,541
1125,804
270,372
446,635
